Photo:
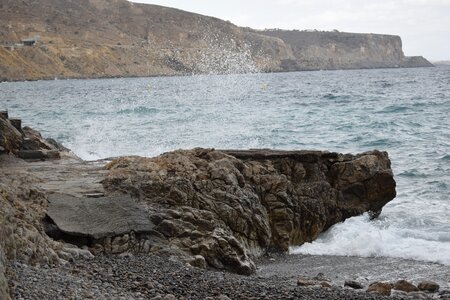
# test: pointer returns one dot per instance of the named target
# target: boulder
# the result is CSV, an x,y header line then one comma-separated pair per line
x,y
33,140
353,284
230,206
381,288
10,137
405,286
429,286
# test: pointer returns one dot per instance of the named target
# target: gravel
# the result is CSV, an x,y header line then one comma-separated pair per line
x,y
150,277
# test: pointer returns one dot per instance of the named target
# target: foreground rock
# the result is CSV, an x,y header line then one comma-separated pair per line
x,y
405,286
232,206
380,288
429,286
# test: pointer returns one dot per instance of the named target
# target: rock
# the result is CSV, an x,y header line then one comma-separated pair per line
x,y
57,145
198,261
417,295
381,288
16,123
429,286
39,154
33,140
353,284
10,137
230,206
314,282
76,252
4,291
405,286
97,218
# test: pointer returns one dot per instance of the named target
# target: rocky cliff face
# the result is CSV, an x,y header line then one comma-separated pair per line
x,y
341,50
103,38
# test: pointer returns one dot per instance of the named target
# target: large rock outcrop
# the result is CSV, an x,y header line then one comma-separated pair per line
x,y
220,208
228,207
99,38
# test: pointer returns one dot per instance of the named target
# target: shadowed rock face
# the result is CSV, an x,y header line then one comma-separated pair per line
x,y
229,206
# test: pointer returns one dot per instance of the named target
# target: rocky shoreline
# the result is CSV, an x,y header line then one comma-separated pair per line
x,y
176,226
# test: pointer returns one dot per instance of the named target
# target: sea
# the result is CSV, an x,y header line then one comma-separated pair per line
x,y
405,112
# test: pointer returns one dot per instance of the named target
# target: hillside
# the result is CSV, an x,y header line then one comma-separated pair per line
x,y
105,38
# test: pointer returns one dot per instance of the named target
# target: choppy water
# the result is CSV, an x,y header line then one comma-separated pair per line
x,y
403,111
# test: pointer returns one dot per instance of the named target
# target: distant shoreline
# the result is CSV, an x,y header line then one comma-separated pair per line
x,y
49,78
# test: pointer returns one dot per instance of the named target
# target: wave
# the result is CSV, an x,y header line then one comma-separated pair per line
x,y
413,173
393,109
446,157
359,236
139,110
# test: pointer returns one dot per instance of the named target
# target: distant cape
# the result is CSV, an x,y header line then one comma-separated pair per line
x,y
49,39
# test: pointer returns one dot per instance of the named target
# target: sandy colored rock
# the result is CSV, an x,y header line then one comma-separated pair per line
x,y
381,288
405,286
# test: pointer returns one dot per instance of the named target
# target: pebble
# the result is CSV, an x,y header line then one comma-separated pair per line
x,y
151,277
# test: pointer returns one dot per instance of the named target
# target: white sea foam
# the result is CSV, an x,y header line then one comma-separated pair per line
x,y
359,236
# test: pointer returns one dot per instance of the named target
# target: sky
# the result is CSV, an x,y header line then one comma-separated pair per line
x,y
424,25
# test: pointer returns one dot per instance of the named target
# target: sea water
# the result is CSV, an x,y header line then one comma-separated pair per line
x,y
403,111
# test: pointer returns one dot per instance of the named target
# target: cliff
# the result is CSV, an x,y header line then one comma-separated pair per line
x,y
104,38
314,50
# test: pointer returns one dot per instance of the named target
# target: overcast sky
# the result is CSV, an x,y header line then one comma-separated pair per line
x,y
424,25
